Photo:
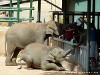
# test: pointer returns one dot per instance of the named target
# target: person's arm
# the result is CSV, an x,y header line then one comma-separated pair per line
x,y
85,21
69,30
81,39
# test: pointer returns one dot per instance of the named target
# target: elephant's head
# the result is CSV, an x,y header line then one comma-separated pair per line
x,y
57,54
53,28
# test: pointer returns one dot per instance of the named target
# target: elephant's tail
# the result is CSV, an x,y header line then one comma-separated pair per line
x,y
5,48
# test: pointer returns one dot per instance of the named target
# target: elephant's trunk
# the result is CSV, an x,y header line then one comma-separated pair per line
x,y
68,51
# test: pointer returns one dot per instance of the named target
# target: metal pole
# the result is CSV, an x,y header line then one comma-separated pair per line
x,y
93,10
10,12
98,22
53,4
72,18
64,7
58,17
88,30
53,16
39,11
18,12
30,16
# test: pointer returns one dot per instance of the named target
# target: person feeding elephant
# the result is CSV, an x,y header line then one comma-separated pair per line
x,y
68,36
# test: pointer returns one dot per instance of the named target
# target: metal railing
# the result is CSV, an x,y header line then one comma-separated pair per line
x,y
17,9
80,54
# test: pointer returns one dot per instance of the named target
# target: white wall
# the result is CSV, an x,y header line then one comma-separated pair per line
x,y
45,8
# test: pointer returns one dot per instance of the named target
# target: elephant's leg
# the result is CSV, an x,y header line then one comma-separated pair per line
x,y
52,66
14,57
29,65
10,50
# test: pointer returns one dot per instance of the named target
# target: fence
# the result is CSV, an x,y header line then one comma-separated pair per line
x,y
80,55
17,9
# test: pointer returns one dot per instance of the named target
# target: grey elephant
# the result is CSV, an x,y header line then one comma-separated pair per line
x,y
44,57
21,34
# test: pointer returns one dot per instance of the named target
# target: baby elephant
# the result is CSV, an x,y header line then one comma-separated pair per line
x,y
45,57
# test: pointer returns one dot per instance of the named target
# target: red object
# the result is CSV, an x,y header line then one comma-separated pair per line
x,y
69,33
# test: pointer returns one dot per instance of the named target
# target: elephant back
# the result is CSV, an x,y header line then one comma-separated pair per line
x,y
35,48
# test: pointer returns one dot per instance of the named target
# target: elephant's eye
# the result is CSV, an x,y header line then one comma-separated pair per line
x,y
50,61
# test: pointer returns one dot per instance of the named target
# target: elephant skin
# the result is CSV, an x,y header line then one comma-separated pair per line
x,y
21,34
45,57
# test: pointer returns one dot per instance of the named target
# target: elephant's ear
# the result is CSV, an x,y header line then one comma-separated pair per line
x,y
50,27
50,58
52,54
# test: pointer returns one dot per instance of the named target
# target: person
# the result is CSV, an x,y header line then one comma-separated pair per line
x,y
68,36
68,33
78,28
80,23
93,44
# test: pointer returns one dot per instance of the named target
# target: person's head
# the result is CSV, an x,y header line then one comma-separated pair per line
x,y
69,26
79,21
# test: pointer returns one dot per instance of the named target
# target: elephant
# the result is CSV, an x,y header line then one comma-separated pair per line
x,y
44,57
21,34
